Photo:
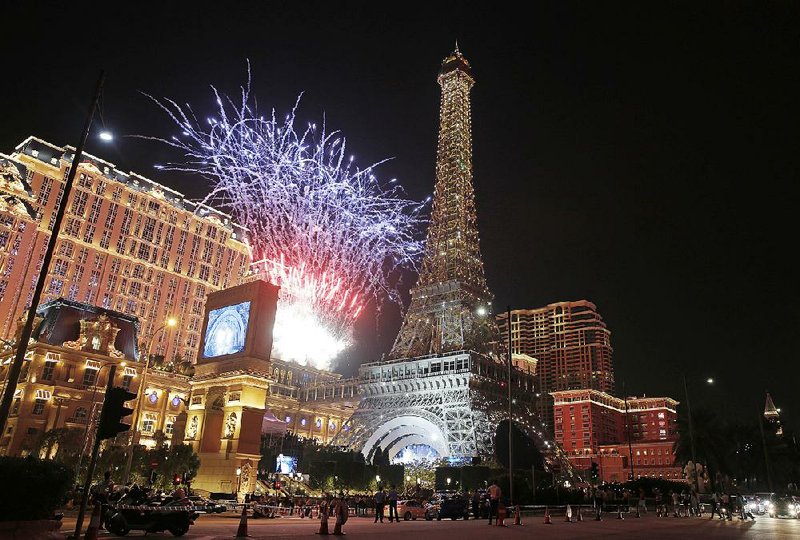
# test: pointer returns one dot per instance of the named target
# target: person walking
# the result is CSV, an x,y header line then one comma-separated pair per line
x,y
715,505
494,500
642,504
380,502
392,498
476,505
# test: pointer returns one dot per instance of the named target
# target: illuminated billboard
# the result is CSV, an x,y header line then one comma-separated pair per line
x,y
226,330
286,464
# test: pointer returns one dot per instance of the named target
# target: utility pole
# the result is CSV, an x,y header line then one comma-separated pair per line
x,y
628,426
766,454
691,434
27,329
510,423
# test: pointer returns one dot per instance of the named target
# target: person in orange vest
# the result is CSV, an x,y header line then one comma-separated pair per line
x,y
494,500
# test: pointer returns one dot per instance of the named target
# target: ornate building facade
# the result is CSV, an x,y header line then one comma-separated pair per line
x,y
127,244
62,383
596,427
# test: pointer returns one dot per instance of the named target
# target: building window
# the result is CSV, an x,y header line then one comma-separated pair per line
x,y
169,427
149,423
89,376
38,406
49,368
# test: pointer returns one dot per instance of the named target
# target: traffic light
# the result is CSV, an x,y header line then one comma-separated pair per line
x,y
277,484
114,410
177,479
595,472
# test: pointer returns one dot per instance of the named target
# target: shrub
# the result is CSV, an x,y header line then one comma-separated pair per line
x,y
33,488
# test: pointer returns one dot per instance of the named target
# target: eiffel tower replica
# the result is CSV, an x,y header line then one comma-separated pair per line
x,y
441,393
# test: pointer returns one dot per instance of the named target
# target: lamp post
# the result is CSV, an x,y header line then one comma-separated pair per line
x,y
691,430
27,329
238,481
510,425
171,322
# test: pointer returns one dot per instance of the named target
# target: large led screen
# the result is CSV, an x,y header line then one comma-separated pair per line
x,y
227,330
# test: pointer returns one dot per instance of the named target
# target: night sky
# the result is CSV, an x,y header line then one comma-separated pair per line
x,y
642,157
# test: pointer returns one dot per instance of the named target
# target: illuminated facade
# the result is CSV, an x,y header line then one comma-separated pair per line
x,y
591,426
63,379
571,344
443,390
126,244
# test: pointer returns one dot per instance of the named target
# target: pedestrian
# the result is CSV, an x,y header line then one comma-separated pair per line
x,y
726,504
660,510
494,501
476,505
380,501
675,503
694,504
715,505
340,512
642,502
392,497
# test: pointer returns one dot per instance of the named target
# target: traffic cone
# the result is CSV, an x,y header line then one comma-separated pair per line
x,y
568,514
517,520
242,532
580,516
547,520
94,524
619,513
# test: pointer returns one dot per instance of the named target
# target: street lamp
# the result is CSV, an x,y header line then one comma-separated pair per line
x,y
27,329
238,481
171,322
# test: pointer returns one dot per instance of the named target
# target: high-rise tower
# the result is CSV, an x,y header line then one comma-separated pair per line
x,y
440,395
450,303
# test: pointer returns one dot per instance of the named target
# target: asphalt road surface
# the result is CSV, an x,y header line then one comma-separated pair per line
x,y
209,527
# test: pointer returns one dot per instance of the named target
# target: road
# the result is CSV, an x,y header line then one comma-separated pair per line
x,y
210,527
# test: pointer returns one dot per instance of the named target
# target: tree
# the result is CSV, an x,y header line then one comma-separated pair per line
x,y
60,444
710,441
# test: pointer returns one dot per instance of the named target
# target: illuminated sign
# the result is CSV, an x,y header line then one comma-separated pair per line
x,y
227,330
286,464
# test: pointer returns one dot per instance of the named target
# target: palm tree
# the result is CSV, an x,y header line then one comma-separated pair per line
x,y
710,441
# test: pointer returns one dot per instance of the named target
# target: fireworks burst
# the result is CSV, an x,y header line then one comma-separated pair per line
x,y
330,234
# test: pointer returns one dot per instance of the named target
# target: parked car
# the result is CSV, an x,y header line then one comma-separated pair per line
x,y
453,508
206,506
783,506
410,509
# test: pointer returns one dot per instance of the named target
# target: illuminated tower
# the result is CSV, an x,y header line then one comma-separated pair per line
x,y
450,302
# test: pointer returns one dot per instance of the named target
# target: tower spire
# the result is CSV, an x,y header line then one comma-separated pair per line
x,y
451,302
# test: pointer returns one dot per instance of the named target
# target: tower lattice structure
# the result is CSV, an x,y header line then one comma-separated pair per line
x,y
451,300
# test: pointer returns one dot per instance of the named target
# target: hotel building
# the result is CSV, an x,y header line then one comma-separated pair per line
x,y
571,344
593,426
126,244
